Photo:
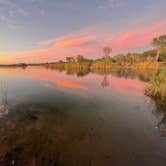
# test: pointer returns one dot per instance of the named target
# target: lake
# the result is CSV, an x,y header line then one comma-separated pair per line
x,y
48,117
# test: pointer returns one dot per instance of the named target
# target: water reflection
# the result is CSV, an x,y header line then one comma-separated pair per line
x,y
96,119
72,85
105,82
80,72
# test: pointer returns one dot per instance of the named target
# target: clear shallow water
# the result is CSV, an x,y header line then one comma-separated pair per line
x,y
53,118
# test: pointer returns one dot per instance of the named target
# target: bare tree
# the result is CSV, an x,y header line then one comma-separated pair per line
x,y
107,50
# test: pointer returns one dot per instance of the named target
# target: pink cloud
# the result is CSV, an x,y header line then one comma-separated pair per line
x,y
76,42
139,38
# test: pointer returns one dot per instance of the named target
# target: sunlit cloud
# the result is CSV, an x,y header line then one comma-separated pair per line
x,y
7,59
77,42
137,38
67,42
140,37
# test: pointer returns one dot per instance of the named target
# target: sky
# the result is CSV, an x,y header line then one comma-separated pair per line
x,y
35,31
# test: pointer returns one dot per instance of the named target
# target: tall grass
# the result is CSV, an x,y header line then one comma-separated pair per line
x,y
157,89
78,68
147,65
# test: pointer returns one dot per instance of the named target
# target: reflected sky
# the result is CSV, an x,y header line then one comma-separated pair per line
x,y
25,84
105,112
90,82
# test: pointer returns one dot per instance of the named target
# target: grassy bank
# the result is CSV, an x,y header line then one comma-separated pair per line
x,y
157,89
103,65
109,65
78,68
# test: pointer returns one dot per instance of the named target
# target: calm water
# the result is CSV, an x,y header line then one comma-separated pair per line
x,y
50,118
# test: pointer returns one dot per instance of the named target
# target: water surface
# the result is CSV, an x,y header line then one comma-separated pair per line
x,y
50,118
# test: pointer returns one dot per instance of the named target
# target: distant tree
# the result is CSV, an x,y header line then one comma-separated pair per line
x,y
160,44
80,58
149,53
107,50
70,59
119,59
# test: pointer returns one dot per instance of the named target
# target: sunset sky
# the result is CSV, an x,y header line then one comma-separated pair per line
x,y
49,30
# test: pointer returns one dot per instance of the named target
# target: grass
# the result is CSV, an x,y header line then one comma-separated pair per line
x,y
102,64
147,65
157,89
78,68
107,64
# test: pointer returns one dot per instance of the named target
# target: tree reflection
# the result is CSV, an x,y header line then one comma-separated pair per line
x,y
105,83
